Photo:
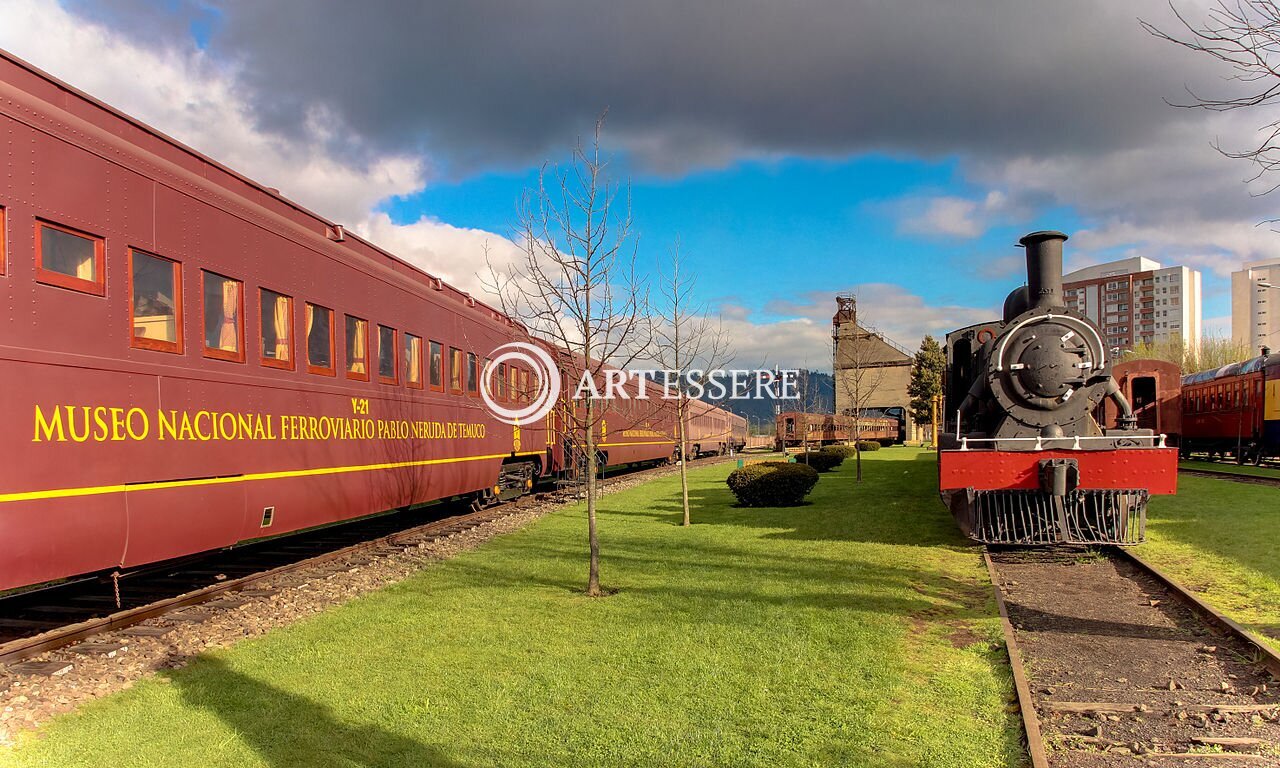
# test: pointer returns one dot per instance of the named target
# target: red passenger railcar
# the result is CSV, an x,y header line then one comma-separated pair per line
x,y
193,361
1154,391
1233,410
714,431
796,428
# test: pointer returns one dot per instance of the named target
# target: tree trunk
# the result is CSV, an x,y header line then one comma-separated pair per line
x,y
857,449
593,540
682,415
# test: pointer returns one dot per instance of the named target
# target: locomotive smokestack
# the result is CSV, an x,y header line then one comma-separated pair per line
x,y
1044,267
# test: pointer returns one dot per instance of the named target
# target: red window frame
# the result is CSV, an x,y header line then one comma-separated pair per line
x,y
395,355
221,354
457,365
346,338
409,339
271,362
320,370
95,287
435,348
156,345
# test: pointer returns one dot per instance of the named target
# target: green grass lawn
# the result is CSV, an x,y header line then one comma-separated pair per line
x,y
857,630
1222,539
1222,466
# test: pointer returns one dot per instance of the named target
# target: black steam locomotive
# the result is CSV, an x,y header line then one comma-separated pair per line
x,y
1024,460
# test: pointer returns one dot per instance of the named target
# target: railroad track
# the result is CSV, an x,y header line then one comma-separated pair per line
x,y
1234,476
34,623
1115,664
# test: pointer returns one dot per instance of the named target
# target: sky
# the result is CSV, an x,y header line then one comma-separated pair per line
x,y
794,149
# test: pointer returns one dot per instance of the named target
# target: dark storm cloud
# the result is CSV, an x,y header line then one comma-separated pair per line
x,y
482,82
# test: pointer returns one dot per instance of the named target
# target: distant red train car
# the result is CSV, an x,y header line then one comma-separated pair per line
x,y
1233,410
193,361
796,428
1153,389
714,431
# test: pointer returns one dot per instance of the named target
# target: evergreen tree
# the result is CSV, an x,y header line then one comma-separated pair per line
x,y
926,379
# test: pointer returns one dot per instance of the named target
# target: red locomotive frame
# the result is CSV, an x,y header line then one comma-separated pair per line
x,y
134,438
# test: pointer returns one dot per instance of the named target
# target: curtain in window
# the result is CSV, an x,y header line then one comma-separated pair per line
x,y
229,338
414,374
358,354
85,267
283,342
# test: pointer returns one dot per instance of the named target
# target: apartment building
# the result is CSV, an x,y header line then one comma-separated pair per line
x,y
1137,300
1254,305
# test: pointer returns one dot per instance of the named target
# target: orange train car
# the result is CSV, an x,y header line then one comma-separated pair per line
x,y
796,428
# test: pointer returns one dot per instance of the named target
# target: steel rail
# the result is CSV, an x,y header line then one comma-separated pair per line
x,y
1238,477
24,648
1034,739
1266,655
1022,688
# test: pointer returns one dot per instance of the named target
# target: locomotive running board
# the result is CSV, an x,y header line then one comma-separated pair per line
x,y
1082,516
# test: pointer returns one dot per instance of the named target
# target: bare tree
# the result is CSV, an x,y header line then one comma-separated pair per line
x,y
575,285
858,372
684,339
1245,35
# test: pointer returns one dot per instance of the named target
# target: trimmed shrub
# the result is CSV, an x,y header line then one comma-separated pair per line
x,y
772,484
824,460
843,451
868,445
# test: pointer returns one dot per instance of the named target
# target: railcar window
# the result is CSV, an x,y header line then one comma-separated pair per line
x,y
69,259
473,374
412,361
525,394
155,302
4,261
500,379
320,340
387,355
276,329
437,366
455,370
513,383
223,317
357,348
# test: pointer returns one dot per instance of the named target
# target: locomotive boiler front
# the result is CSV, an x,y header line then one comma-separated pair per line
x,y
1047,369
1026,462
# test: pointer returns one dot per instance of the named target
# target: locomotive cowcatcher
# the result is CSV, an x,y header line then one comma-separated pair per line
x,y
1024,460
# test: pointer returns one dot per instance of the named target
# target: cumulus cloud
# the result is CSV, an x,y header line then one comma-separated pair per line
x,y
948,216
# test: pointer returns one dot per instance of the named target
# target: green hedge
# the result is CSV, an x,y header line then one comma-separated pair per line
x,y
843,451
868,445
824,460
772,484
